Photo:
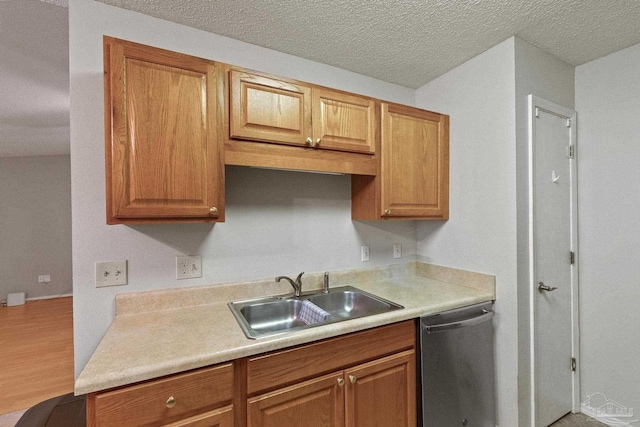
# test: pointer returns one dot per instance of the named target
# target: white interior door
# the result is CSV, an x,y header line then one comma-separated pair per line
x,y
553,260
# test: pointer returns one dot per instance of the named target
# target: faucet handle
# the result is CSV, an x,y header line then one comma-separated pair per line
x,y
299,277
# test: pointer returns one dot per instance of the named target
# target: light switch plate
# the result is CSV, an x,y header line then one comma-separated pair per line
x,y
111,273
188,267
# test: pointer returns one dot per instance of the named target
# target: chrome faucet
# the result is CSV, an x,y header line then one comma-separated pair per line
x,y
325,283
297,284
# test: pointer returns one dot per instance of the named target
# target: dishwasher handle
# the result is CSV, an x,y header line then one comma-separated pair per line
x,y
487,315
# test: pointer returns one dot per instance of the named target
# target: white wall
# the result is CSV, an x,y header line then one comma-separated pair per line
x,y
481,232
545,76
35,225
608,105
277,222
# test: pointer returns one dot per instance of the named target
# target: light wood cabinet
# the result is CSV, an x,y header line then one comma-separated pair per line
x,y
190,399
363,379
379,393
382,392
315,403
285,111
413,179
375,387
164,158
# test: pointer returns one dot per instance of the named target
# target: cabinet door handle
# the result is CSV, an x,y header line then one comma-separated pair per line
x,y
171,402
310,141
340,382
387,211
352,379
213,210
318,141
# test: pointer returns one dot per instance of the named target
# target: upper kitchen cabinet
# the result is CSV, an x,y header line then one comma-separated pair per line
x,y
269,110
338,129
164,158
413,180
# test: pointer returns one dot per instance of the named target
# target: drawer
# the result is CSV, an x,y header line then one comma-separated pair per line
x,y
288,366
165,400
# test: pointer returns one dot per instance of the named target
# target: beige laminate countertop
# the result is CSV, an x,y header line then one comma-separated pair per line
x,y
151,344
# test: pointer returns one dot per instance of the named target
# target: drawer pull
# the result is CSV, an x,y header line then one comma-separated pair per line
x,y
352,379
171,402
340,382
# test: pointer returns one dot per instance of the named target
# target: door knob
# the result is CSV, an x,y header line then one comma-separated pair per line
x,y
543,287
309,141
352,379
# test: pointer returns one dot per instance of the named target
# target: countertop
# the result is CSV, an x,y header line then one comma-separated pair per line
x,y
142,345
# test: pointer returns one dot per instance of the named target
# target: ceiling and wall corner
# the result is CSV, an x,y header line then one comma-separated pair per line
x,y
408,42
608,105
480,234
34,79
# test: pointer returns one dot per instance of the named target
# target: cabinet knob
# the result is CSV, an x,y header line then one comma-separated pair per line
x,y
352,379
310,141
318,141
387,211
340,382
171,402
213,210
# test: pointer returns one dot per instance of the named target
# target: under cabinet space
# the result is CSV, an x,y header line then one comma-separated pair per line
x,y
164,161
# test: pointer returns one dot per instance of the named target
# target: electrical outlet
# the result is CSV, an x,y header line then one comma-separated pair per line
x,y
44,278
397,250
188,267
112,273
364,253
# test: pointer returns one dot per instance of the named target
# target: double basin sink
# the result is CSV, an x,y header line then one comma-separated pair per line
x,y
279,314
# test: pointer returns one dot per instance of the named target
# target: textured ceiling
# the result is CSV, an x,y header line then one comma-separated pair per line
x,y
408,42
34,79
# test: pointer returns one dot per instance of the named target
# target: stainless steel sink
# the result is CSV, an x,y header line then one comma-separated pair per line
x,y
276,315
348,304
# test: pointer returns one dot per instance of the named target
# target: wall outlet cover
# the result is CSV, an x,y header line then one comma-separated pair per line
x,y
111,273
188,267
364,253
397,250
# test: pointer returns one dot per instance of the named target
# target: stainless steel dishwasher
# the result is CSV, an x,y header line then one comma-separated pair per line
x,y
457,368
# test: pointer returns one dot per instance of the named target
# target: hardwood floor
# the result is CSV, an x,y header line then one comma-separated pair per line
x,y
36,352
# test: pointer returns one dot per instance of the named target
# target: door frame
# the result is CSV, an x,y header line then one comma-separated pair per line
x,y
535,103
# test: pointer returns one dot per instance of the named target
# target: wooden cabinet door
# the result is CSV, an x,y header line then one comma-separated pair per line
x,y
171,399
414,163
315,403
343,121
382,393
269,110
163,158
222,417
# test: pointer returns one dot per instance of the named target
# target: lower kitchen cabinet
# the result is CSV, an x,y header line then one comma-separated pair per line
x,y
190,399
222,417
315,403
382,393
379,393
363,379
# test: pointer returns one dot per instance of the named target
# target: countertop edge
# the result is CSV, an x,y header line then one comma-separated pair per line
x,y
421,296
